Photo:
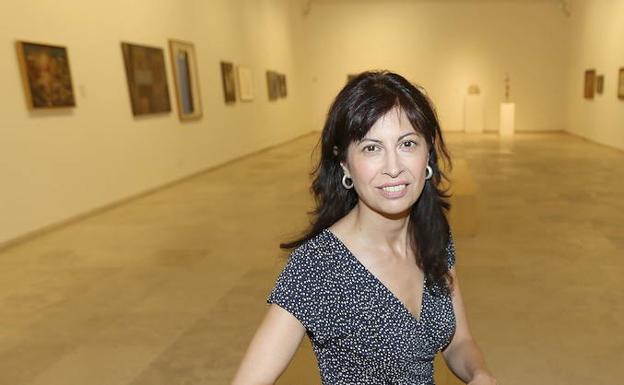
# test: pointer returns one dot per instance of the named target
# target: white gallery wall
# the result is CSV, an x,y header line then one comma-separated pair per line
x,y
597,35
56,165
445,45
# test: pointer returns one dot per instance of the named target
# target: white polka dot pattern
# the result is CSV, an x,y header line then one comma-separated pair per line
x,y
360,332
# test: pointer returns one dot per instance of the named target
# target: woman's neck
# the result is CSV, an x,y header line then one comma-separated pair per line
x,y
376,230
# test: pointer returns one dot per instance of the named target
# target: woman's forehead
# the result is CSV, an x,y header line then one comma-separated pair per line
x,y
393,123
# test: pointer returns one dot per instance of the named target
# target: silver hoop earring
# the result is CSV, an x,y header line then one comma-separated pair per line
x,y
344,182
429,172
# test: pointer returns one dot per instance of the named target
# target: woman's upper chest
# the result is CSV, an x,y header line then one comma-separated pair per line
x,y
398,275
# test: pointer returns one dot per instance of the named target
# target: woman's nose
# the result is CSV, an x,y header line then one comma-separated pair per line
x,y
392,164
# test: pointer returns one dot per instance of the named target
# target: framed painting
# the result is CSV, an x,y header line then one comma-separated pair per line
x,y
599,84
147,79
245,83
590,78
45,75
186,79
282,85
229,82
272,85
621,84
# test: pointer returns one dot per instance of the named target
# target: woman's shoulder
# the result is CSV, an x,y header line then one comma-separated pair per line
x,y
317,248
308,268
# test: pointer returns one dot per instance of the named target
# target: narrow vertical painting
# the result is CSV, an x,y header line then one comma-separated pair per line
x,y
147,79
599,84
282,86
229,82
621,84
186,78
46,75
272,85
245,83
590,77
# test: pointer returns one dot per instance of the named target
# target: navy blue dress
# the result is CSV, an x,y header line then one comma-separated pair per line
x,y
361,333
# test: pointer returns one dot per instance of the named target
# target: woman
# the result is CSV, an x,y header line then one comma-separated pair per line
x,y
372,283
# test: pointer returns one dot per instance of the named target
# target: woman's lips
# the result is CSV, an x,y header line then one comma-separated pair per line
x,y
394,192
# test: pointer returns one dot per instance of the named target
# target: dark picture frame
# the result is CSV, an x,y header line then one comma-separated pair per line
x,y
46,75
599,84
621,84
229,82
590,79
283,91
147,79
273,85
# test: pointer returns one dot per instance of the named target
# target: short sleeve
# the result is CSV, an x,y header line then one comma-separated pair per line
x,y
450,251
298,288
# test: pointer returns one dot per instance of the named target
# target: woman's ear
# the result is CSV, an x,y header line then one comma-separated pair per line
x,y
345,169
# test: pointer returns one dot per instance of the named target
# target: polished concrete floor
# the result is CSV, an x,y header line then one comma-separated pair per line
x,y
169,288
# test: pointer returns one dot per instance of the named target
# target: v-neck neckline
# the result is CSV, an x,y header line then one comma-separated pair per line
x,y
383,285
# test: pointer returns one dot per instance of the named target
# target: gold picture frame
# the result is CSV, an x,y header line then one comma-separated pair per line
x,y
186,79
46,75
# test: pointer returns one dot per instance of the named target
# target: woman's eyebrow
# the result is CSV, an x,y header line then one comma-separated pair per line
x,y
379,141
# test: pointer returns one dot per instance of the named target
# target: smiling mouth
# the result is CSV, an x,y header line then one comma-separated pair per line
x,y
396,188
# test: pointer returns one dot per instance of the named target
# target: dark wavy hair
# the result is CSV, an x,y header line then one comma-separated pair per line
x,y
356,108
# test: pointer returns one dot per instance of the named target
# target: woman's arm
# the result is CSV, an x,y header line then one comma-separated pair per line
x,y
271,349
462,355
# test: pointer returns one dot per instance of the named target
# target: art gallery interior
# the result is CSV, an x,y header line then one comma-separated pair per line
x,y
140,248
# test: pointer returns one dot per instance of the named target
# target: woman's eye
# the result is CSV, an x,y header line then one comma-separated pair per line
x,y
371,147
411,143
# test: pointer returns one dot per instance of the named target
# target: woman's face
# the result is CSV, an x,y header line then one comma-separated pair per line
x,y
391,154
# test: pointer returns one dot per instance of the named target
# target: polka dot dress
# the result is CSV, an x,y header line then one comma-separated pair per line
x,y
360,331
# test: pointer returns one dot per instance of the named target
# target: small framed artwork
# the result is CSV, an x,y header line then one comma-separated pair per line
x,y
282,86
186,79
147,79
45,75
621,84
272,85
229,82
245,83
599,84
590,79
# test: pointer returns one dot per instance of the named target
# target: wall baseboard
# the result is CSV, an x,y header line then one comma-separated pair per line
x,y
593,141
4,245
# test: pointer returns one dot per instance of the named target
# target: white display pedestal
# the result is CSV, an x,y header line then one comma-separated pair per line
x,y
473,113
507,119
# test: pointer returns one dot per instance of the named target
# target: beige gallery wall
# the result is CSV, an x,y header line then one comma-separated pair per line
x,y
445,45
56,165
597,33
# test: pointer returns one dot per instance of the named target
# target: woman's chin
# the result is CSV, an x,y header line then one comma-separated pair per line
x,y
394,210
